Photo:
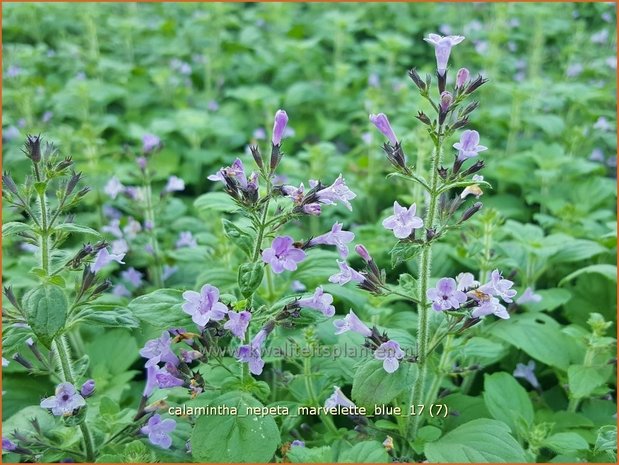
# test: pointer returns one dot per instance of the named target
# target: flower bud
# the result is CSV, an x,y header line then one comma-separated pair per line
x,y
417,80
470,211
462,78
421,116
142,162
88,388
75,178
470,108
473,86
473,168
446,101
257,156
363,253
8,183
279,126
311,209
33,148
382,124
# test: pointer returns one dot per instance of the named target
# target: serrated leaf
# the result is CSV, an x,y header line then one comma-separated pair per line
x,y
46,309
161,308
77,228
372,385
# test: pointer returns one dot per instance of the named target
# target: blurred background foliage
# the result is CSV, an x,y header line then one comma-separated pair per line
x,y
207,79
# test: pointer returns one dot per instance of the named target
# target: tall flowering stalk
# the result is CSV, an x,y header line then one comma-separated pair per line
x,y
440,208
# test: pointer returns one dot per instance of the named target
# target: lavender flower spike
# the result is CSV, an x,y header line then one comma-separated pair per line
x,y
283,255
238,323
382,124
446,295
468,146
442,49
335,237
351,322
338,399
403,221
159,430
66,400
204,306
279,126
319,301
390,353
346,275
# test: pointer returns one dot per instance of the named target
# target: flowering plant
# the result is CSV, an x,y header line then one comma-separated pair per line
x,y
281,333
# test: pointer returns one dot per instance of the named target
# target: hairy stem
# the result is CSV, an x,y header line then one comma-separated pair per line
x,y
150,217
60,344
425,272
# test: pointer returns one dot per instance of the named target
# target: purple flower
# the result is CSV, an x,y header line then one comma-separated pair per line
x,y
259,133
382,124
446,295
235,171
8,445
10,133
186,239
351,322
283,255
159,350
120,290
346,274
279,126
150,142
497,286
468,146
114,187
168,377
527,372
142,162
159,430
442,49
446,101
319,301
66,400
602,124
466,281
212,105
238,323
189,356
390,353
490,306
529,296
312,209
297,443
113,227
363,253
88,388
338,399
132,228
204,306
462,78
403,221
104,258
251,353
47,116
335,237
133,276
336,192
174,184
298,286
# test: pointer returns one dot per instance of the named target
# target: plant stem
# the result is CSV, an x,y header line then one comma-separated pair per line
x,y
425,271
60,343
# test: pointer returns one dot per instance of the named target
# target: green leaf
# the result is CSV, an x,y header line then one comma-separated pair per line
x,y
577,250
566,442
77,228
365,452
298,454
15,227
215,202
161,308
235,438
372,385
250,277
508,401
241,238
103,315
583,380
606,439
46,309
403,252
478,441
551,299
608,271
539,336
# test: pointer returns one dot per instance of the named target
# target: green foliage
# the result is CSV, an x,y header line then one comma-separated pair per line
x,y
46,307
